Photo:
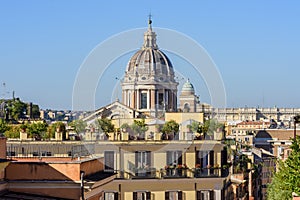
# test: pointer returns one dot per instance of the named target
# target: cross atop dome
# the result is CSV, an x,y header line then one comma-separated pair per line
x,y
149,21
150,36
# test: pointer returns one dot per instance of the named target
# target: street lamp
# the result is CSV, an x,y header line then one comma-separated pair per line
x,y
296,120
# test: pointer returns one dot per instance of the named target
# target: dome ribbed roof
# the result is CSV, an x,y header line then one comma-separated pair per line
x,y
187,88
149,61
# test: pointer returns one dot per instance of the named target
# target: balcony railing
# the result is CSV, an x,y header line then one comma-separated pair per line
x,y
152,173
144,173
210,172
174,173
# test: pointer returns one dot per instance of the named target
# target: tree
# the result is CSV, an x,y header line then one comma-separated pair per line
x,y
241,163
35,111
210,126
139,128
78,125
56,127
37,130
13,131
195,127
287,179
106,125
3,126
169,129
17,109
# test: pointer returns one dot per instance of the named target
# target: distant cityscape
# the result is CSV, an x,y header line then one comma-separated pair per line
x,y
152,144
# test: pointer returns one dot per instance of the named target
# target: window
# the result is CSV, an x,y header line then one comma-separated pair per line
x,y
142,195
174,157
205,195
205,158
35,153
186,107
111,196
161,99
109,160
143,100
129,99
173,195
11,153
142,159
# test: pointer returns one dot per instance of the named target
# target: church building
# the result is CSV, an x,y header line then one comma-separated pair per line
x,y
149,84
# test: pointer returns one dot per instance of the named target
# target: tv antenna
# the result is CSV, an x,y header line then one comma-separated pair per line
x,y
4,90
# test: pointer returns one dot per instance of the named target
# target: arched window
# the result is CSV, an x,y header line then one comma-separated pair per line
x,y
186,107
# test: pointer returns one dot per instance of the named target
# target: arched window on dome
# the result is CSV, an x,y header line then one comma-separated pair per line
x,y
186,107
144,100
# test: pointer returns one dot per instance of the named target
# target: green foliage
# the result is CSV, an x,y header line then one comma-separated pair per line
x,y
78,125
287,179
13,131
56,127
17,109
241,163
3,126
51,131
139,127
210,126
170,127
195,127
37,130
106,125
125,126
35,111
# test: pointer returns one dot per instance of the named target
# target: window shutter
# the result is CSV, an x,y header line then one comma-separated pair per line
x,y
197,157
212,157
148,196
148,158
166,195
109,160
199,195
116,196
169,158
134,195
179,161
202,154
137,158
224,157
211,195
179,195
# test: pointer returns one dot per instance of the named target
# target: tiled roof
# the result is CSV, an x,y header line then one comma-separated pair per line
x,y
280,134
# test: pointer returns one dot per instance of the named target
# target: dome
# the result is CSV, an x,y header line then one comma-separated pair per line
x,y
149,63
149,82
188,88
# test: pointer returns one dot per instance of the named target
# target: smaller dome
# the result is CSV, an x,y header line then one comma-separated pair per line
x,y
187,88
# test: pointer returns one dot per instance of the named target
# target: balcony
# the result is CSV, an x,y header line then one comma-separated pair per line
x,y
207,172
144,173
174,173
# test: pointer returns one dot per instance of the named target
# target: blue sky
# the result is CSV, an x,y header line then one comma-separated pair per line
x,y
255,45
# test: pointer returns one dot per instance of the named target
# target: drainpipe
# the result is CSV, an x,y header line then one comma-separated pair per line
x,y
82,184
